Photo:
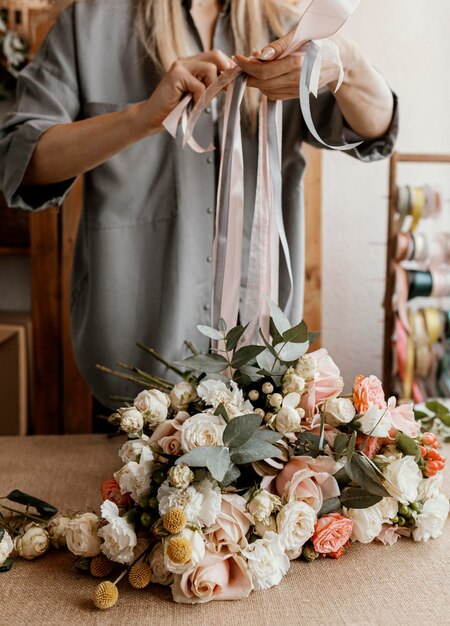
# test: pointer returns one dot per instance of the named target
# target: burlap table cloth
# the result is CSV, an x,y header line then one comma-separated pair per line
x,y
372,585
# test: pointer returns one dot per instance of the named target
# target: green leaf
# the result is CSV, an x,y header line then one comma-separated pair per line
x,y
363,474
254,450
219,463
407,445
83,564
270,348
436,407
222,412
292,351
7,565
43,508
270,436
297,334
209,363
234,335
340,443
308,445
445,419
357,498
276,337
222,325
342,477
245,355
251,372
212,333
279,319
351,446
331,505
240,429
232,474
198,457
420,415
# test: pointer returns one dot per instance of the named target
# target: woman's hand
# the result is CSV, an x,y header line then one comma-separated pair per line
x,y
190,75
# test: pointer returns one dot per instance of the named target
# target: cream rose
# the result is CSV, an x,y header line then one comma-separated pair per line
x,y
430,521
403,477
267,561
202,430
295,525
119,538
6,547
262,505
132,448
57,528
338,411
367,523
135,477
197,542
231,525
81,535
182,395
154,406
292,382
160,575
131,420
33,543
306,367
376,422
180,476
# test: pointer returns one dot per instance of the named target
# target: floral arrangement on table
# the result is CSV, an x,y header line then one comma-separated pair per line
x,y
13,57
255,459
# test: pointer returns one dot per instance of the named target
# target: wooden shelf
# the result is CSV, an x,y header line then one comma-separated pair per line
x,y
14,251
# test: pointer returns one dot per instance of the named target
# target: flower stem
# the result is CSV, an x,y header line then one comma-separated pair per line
x,y
22,514
161,359
192,348
134,379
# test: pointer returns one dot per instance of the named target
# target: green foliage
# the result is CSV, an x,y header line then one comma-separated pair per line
x,y
358,498
308,445
366,475
407,445
331,505
43,508
208,363
7,565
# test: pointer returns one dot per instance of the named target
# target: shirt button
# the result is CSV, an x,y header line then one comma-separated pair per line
x,y
209,210
206,307
209,160
208,259
208,110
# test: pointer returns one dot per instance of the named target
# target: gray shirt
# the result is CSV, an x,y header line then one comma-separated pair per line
x,y
142,266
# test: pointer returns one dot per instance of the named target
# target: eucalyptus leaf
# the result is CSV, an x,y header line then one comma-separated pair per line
x,y
219,463
240,429
357,498
266,361
270,348
342,478
279,319
251,371
297,334
437,407
340,443
407,445
362,473
331,505
199,457
292,351
7,565
276,337
245,355
234,335
212,333
43,508
351,446
222,325
232,474
270,436
210,363
421,415
254,450
308,445
222,412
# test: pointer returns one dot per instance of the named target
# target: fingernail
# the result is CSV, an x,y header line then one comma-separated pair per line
x,y
267,54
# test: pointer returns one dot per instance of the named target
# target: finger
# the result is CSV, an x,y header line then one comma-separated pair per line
x,y
189,83
287,82
274,49
266,71
206,72
219,58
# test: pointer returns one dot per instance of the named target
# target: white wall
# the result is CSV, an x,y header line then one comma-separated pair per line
x,y
409,43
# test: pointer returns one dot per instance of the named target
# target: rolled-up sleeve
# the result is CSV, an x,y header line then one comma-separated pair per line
x,y
333,129
47,94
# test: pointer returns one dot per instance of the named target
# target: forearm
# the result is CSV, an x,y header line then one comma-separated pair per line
x,y
365,100
69,150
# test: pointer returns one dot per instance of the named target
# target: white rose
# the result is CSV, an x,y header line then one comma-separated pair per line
x,y
81,535
154,406
197,542
288,420
182,395
430,521
33,543
429,487
6,547
262,506
56,529
338,411
269,525
190,500
180,476
306,367
132,448
131,420
367,523
135,477
403,477
295,525
202,430
388,508
119,538
292,382
376,422
212,502
267,561
160,575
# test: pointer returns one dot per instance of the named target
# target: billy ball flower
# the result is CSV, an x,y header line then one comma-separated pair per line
x,y
174,521
179,550
140,575
105,595
100,566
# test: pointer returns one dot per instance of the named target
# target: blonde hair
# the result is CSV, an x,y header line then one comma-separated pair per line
x,y
163,31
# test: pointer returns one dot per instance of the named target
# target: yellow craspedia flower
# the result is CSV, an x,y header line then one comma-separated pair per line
x,y
140,575
179,550
174,521
105,595
101,566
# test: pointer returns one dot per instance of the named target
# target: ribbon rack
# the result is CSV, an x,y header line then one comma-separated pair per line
x,y
416,354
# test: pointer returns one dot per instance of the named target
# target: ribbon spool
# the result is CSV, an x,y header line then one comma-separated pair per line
x,y
321,19
417,203
420,284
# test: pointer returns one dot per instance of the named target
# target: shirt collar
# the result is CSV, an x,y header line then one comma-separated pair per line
x,y
225,4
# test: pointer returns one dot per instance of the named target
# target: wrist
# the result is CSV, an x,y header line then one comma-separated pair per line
x,y
141,121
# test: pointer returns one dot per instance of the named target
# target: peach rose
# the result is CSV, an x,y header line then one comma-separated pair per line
x,y
308,479
110,490
219,576
331,533
403,418
368,392
231,525
327,383
373,445
167,435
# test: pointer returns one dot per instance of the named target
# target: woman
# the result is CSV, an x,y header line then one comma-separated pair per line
x,y
93,101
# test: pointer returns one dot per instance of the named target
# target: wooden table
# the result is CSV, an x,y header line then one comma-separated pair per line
x,y
372,585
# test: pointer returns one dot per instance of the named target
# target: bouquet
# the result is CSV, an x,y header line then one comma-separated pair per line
x,y
255,459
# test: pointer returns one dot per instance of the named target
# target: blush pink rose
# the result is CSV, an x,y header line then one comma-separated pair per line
x,y
403,418
331,533
327,383
219,576
309,480
368,392
390,533
110,490
167,436
232,524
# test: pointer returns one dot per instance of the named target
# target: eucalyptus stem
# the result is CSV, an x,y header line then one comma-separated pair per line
x,y
28,515
195,351
161,359
152,379
133,379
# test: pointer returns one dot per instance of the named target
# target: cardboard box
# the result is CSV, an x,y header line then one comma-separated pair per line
x,y
13,380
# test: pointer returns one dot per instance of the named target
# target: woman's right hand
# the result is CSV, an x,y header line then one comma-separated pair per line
x,y
190,75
